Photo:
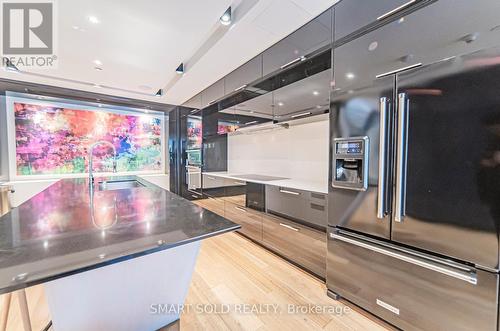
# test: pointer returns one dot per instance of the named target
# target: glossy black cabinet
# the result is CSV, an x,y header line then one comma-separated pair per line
x,y
352,15
307,97
212,93
243,75
307,39
194,102
445,28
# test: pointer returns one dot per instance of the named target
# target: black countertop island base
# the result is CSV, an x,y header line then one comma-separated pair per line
x,y
65,230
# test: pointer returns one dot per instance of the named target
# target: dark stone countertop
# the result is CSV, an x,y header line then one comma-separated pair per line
x,y
57,233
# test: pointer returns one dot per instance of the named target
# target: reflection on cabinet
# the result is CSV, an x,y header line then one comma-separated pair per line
x,y
235,192
300,244
247,73
309,38
250,220
396,45
297,205
352,15
289,202
194,102
212,93
215,205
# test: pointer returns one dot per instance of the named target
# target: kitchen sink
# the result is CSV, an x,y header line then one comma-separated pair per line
x,y
118,185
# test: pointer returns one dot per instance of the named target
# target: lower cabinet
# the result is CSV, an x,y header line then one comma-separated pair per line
x,y
301,244
215,205
249,219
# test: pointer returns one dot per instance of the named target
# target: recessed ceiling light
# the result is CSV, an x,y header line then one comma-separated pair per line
x,y
315,92
280,104
93,19
225,19
180,69
76,27
98,62
349,75
98,68
373,46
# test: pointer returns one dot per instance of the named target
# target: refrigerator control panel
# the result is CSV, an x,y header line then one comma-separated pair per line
x,y
350,163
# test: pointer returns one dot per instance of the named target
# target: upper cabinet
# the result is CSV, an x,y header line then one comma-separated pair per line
x,y
309,38
194,102
212,93
445,28
352,15
247,73
306,97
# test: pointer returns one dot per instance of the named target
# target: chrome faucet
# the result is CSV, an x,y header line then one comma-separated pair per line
x,y
91,157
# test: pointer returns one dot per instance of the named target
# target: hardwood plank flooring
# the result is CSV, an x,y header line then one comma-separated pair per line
x,y
233,270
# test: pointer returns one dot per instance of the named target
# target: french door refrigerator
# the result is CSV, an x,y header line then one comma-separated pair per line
x,y
414,200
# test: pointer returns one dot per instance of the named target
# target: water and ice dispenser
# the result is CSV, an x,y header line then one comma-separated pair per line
x,y
350,162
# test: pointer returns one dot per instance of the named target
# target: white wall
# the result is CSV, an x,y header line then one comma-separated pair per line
x,y
300,152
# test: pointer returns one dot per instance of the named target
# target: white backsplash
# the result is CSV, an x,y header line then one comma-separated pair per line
x,y
300,152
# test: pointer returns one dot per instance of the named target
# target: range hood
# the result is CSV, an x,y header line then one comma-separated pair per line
x,y
268,126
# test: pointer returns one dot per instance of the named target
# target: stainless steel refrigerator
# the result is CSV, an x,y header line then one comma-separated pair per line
x,y
414,200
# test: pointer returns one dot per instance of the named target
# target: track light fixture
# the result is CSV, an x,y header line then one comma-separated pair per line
x,y
180,69
226,18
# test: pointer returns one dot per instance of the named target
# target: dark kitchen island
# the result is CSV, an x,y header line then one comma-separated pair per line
x,y
109,253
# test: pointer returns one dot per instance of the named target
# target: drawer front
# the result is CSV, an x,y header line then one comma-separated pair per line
x,y
250,221
210,181
286,201
318,198
213,204
300,244
316,214
410,295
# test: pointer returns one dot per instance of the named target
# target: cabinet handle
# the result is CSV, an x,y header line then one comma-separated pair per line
x,y
302,58
381,212
469,275
289,192
241,209
240,88
289,227
395,10
395,71
401,155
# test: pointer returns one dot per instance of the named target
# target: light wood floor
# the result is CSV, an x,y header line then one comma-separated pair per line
x,y
234,270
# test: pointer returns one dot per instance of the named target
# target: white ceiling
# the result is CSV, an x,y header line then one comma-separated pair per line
x,y
140,43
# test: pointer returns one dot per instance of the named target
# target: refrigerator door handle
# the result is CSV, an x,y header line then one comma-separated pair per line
x,y
381,203
468,276
401,151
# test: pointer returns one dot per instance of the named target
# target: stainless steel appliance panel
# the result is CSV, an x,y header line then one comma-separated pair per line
x,y
447,165
411,291
366,111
